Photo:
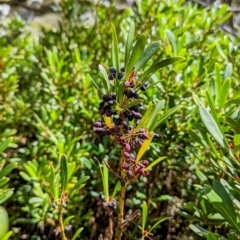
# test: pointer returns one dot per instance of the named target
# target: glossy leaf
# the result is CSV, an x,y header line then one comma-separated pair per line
x,y
135,54
156,66
147,55
155,162
129,43
63,172
144,214
115,49
5,144
211,126
144,146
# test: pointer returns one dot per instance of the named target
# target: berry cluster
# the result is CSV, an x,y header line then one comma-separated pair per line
x,y
133,167
108,206
113,74
126,136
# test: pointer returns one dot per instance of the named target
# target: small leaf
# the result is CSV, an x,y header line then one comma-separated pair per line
x,y
117,188
172,40
211,126
104,75
129,43
212,236
63,172
146,55
165,116
6,170
155,162
156,66
5,144
144,121
34,200
94,83
115,52
233,124
67,220
7,235
144,146
136,53
224,92
144,214
163,219
77,233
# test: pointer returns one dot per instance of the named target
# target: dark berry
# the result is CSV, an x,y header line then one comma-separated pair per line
x,y
130,118
127,147
127,84
111,102
120,75
101,104
145,162
102,111
144,136
97,124
125,166
107,97
111,76
143,88
135,95
136,115
122,69
108,113
113,70
130,93
117,121
129,173
114,97
140,171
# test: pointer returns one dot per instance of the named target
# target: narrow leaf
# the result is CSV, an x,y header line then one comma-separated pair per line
x,y
129,42
63,172
155,162
156,66
163,219
5,144
115,52
104,74
211,126
144,214
147,55
77,233
144,146
136,53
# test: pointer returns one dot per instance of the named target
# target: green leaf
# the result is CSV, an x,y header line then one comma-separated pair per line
x,y
7,235
104,175
198,230
144,121
144,146
136,53
34,200
67,220
211,126
224,92
228,71
63,172
155,162
156,66
4,222
172,40
6,170
166,116
146,55
5,195
94,83
129,43
25,176
117,189
104,74
212,236
233,124
77,233
5,144
80,184
144,214
115,52
163,219
154,117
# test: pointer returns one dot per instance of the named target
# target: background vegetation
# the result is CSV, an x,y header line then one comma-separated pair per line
x,y
48,104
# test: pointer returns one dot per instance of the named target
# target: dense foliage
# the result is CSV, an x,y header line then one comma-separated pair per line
x,y
49,103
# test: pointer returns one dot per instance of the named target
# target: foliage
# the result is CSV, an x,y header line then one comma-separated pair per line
x,y
48,103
